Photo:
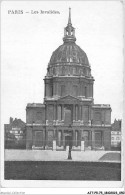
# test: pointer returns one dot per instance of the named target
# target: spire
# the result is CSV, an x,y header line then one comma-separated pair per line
x,y
69,20
69,31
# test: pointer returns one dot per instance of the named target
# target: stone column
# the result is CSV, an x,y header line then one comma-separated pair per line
x,y
102,137
44,88
29,138
58,89
56,118
80,112
54,112
89,110
46,141
93,139
73,137
62,111
90,138
54,89
82,146
54,144
92,90
73,111
63,136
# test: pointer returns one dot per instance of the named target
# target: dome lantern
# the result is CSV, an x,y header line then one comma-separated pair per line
x,y
69,31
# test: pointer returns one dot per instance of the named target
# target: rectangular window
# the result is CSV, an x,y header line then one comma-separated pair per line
x,y
60,138
63,92
59,113
85,113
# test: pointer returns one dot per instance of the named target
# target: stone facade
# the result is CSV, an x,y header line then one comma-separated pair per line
x,y
68,115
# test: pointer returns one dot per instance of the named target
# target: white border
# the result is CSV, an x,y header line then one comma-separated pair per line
x,y
54,185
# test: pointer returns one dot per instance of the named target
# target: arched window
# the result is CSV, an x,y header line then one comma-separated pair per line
x,y
63,70
51,90
74,71
54,71
71,71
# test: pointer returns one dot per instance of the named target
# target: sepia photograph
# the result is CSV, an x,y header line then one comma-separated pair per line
x,y
62,93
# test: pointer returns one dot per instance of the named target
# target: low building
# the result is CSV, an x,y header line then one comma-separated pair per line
x,y
15,133
116,134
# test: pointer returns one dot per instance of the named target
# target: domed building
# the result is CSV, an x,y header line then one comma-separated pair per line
x,y
68,116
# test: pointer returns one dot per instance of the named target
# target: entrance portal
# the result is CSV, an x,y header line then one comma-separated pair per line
x,y
68,141
68,115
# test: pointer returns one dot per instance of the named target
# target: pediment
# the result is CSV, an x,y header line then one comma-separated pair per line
x,y
69,97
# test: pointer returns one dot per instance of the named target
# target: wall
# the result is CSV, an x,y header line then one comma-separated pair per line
x,y
35,115
101,116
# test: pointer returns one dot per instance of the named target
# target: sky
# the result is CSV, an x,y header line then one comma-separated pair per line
x,y
28,40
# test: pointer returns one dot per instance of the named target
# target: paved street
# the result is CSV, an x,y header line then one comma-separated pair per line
x,y
54,165
62,170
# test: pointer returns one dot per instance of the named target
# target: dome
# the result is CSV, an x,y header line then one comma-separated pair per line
x,y
69,53
69,59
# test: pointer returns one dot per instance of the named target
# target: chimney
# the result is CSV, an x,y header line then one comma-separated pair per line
x,y
11,120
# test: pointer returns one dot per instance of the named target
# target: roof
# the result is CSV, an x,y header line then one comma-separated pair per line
x,y
16,123
116,126
69,53
35,105
101,106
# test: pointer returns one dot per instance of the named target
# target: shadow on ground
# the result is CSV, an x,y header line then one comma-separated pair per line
x,y
111,157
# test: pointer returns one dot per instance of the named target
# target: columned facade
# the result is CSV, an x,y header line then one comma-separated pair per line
x,y
68,115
